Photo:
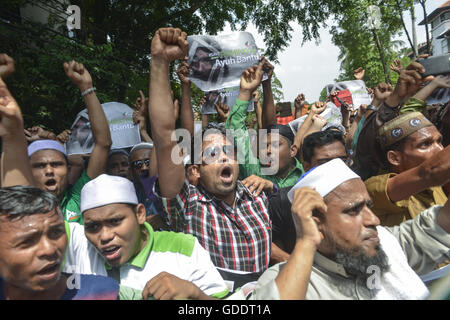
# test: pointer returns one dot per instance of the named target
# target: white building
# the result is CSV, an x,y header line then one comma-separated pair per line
x,y
439,20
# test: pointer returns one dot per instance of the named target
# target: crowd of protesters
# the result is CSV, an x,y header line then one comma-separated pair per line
x,y
354,210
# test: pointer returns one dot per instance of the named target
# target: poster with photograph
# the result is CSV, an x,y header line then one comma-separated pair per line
x,y
217,62
124,133
357,89
228,96
331,113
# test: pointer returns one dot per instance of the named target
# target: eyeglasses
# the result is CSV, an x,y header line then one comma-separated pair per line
x,y
139,163
212,154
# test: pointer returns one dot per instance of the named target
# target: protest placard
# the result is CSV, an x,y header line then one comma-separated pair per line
x,y
356,87
217,62
124,133
440,95
228,97
331,113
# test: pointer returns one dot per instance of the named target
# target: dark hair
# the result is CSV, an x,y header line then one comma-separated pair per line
x,y
283,130
319,139
19,201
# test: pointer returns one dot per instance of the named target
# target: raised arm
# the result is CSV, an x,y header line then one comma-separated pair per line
x,y
222,109
99,125
250,80
268,109
432,172
168,44
409,82
381,93
436,83
298,104
37,133
186,111
140,116
293,279
15,165
305,129
258,108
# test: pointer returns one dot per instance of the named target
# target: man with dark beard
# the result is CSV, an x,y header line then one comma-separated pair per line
x,y
341,251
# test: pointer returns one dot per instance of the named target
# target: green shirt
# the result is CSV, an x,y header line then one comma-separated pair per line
x,y
127,293
71,202
357,132
248,163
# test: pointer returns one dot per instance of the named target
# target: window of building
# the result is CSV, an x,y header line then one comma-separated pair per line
x,y
445,16
444,45
434,23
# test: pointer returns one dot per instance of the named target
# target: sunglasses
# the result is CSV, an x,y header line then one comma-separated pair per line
x,y
139,163
212,154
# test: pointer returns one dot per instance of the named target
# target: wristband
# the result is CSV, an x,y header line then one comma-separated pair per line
x,y
88,91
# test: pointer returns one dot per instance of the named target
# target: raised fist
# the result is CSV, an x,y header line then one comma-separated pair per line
x,y
64,136
267,67
6,65
251,78
318,107
183,72
169,44
222,109
11,121
359,73
78,74
383,91
300,100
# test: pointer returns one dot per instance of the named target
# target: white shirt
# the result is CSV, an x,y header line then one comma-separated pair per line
x,y
175,253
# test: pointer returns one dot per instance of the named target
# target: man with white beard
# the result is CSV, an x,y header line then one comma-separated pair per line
x,y
341,251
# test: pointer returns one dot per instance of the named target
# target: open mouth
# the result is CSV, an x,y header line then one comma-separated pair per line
x,y
50,271
226,175
111,253
51,184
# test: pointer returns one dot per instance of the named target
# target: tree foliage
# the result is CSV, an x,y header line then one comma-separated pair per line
x,y
114,44
355,39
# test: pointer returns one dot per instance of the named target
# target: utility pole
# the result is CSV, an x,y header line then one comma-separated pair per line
x,y
380,51
374,21
414,31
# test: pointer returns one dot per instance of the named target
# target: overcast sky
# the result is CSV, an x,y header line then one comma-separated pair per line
x,y
309,68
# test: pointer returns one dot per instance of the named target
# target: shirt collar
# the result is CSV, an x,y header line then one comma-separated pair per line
x,y
141,258
298,166
241,192
329,265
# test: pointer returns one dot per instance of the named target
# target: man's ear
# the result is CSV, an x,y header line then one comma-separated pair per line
x,y
320,225
394,158
293,150
140,213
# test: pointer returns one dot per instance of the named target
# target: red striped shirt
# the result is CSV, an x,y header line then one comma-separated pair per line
x,y
238,239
